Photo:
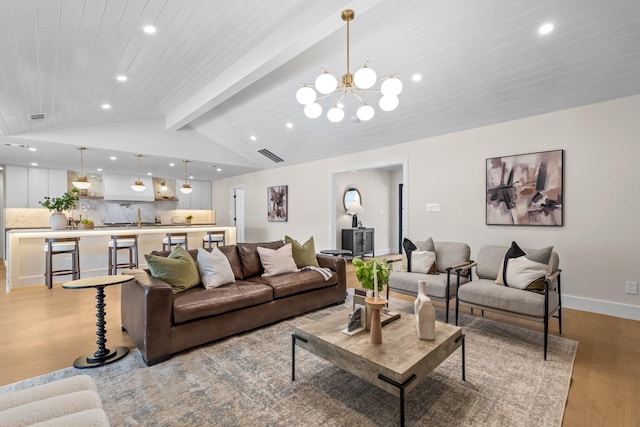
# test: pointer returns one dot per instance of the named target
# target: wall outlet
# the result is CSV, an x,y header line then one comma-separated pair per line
x,y
632,288
433,207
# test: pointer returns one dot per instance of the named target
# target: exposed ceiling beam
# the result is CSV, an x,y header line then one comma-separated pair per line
x,y
275,51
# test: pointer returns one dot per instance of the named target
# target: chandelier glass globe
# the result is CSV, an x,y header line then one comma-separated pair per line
x,y
365,78
306,95
392,86
365,112
389,102
326,83
313,110
335,114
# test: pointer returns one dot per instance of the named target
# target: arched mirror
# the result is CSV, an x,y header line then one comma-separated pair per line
x,y
351,195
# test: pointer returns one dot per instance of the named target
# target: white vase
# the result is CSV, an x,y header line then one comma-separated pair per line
x,y
58,221
425,313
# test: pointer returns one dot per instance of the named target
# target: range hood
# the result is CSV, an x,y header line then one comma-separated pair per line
x,y
118,187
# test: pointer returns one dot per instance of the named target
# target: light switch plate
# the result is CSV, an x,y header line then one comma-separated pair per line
x,y
632,288
433,207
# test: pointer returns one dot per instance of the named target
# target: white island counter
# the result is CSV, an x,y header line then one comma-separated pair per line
x,y
25,257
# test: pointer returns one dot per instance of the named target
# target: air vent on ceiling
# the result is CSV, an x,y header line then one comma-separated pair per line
x,y
37,116
268,154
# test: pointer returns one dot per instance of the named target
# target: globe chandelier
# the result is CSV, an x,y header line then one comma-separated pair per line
x,y
362,81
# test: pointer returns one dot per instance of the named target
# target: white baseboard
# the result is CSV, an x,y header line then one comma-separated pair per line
x,y
609,308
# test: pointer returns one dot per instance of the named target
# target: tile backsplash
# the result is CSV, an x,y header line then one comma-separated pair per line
x,y
107,211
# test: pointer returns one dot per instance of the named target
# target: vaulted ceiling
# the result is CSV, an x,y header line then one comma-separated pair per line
x,y
216,73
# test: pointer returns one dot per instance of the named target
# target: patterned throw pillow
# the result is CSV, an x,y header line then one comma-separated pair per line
x,y
524,270
303,254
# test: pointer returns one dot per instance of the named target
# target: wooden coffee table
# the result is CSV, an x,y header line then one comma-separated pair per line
x,y
397,365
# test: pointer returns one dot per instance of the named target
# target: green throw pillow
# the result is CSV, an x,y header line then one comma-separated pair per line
x,y
305,254
178,269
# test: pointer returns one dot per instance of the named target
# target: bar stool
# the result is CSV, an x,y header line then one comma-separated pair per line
x,y
216,237
57,246
173,239
123,241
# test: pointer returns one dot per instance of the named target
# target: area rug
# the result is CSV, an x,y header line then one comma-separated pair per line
x,y
245,380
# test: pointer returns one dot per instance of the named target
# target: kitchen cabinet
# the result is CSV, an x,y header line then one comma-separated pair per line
x,y
360,241
199,198
17,187
26,187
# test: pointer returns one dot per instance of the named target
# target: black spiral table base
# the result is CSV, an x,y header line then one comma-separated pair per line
x,y
103,355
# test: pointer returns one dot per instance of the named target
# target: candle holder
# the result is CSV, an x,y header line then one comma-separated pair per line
x,y
375,304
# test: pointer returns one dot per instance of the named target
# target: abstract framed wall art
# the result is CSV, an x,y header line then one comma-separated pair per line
x,y
525,189
277,203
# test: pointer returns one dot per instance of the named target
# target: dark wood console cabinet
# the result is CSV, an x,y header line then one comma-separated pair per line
x,y
359,241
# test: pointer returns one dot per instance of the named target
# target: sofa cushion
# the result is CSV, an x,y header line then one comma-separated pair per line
x,y
303,254
178,269
407,283
277,261
524,270
423,262
198,302
295,283
231,252
249,258
214,268
484,292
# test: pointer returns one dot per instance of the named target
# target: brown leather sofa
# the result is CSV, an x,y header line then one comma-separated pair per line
x,y
161,323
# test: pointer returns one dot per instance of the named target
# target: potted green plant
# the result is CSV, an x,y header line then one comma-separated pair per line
x,y
364,272
188,219
57,205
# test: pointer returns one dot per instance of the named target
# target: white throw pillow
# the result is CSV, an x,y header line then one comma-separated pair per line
x,y
276,262
422,261
215,269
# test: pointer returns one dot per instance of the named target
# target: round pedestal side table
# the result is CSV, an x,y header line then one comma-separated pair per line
x,y
102,355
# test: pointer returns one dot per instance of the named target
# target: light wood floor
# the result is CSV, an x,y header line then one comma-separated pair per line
x,y
44,330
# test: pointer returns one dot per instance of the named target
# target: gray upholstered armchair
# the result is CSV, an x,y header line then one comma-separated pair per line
x,y
485,294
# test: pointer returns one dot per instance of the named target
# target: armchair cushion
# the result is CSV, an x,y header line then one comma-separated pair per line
x,y
421,246
485,293
524,270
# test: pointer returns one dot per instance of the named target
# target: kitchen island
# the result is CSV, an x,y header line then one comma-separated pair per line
x,y
25,257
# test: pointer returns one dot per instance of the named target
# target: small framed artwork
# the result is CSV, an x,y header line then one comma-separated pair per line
x,y
525,189
277,203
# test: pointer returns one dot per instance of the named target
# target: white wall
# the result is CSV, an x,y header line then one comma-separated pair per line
x,y
598,245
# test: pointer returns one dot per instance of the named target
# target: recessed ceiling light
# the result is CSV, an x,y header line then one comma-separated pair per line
x,y
218,169
416,77
34,164
106,106
289,125
33,149
190,176
113,157
545,29
172,164
253,138
99,169
1,168
149,174
149,29
121,78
